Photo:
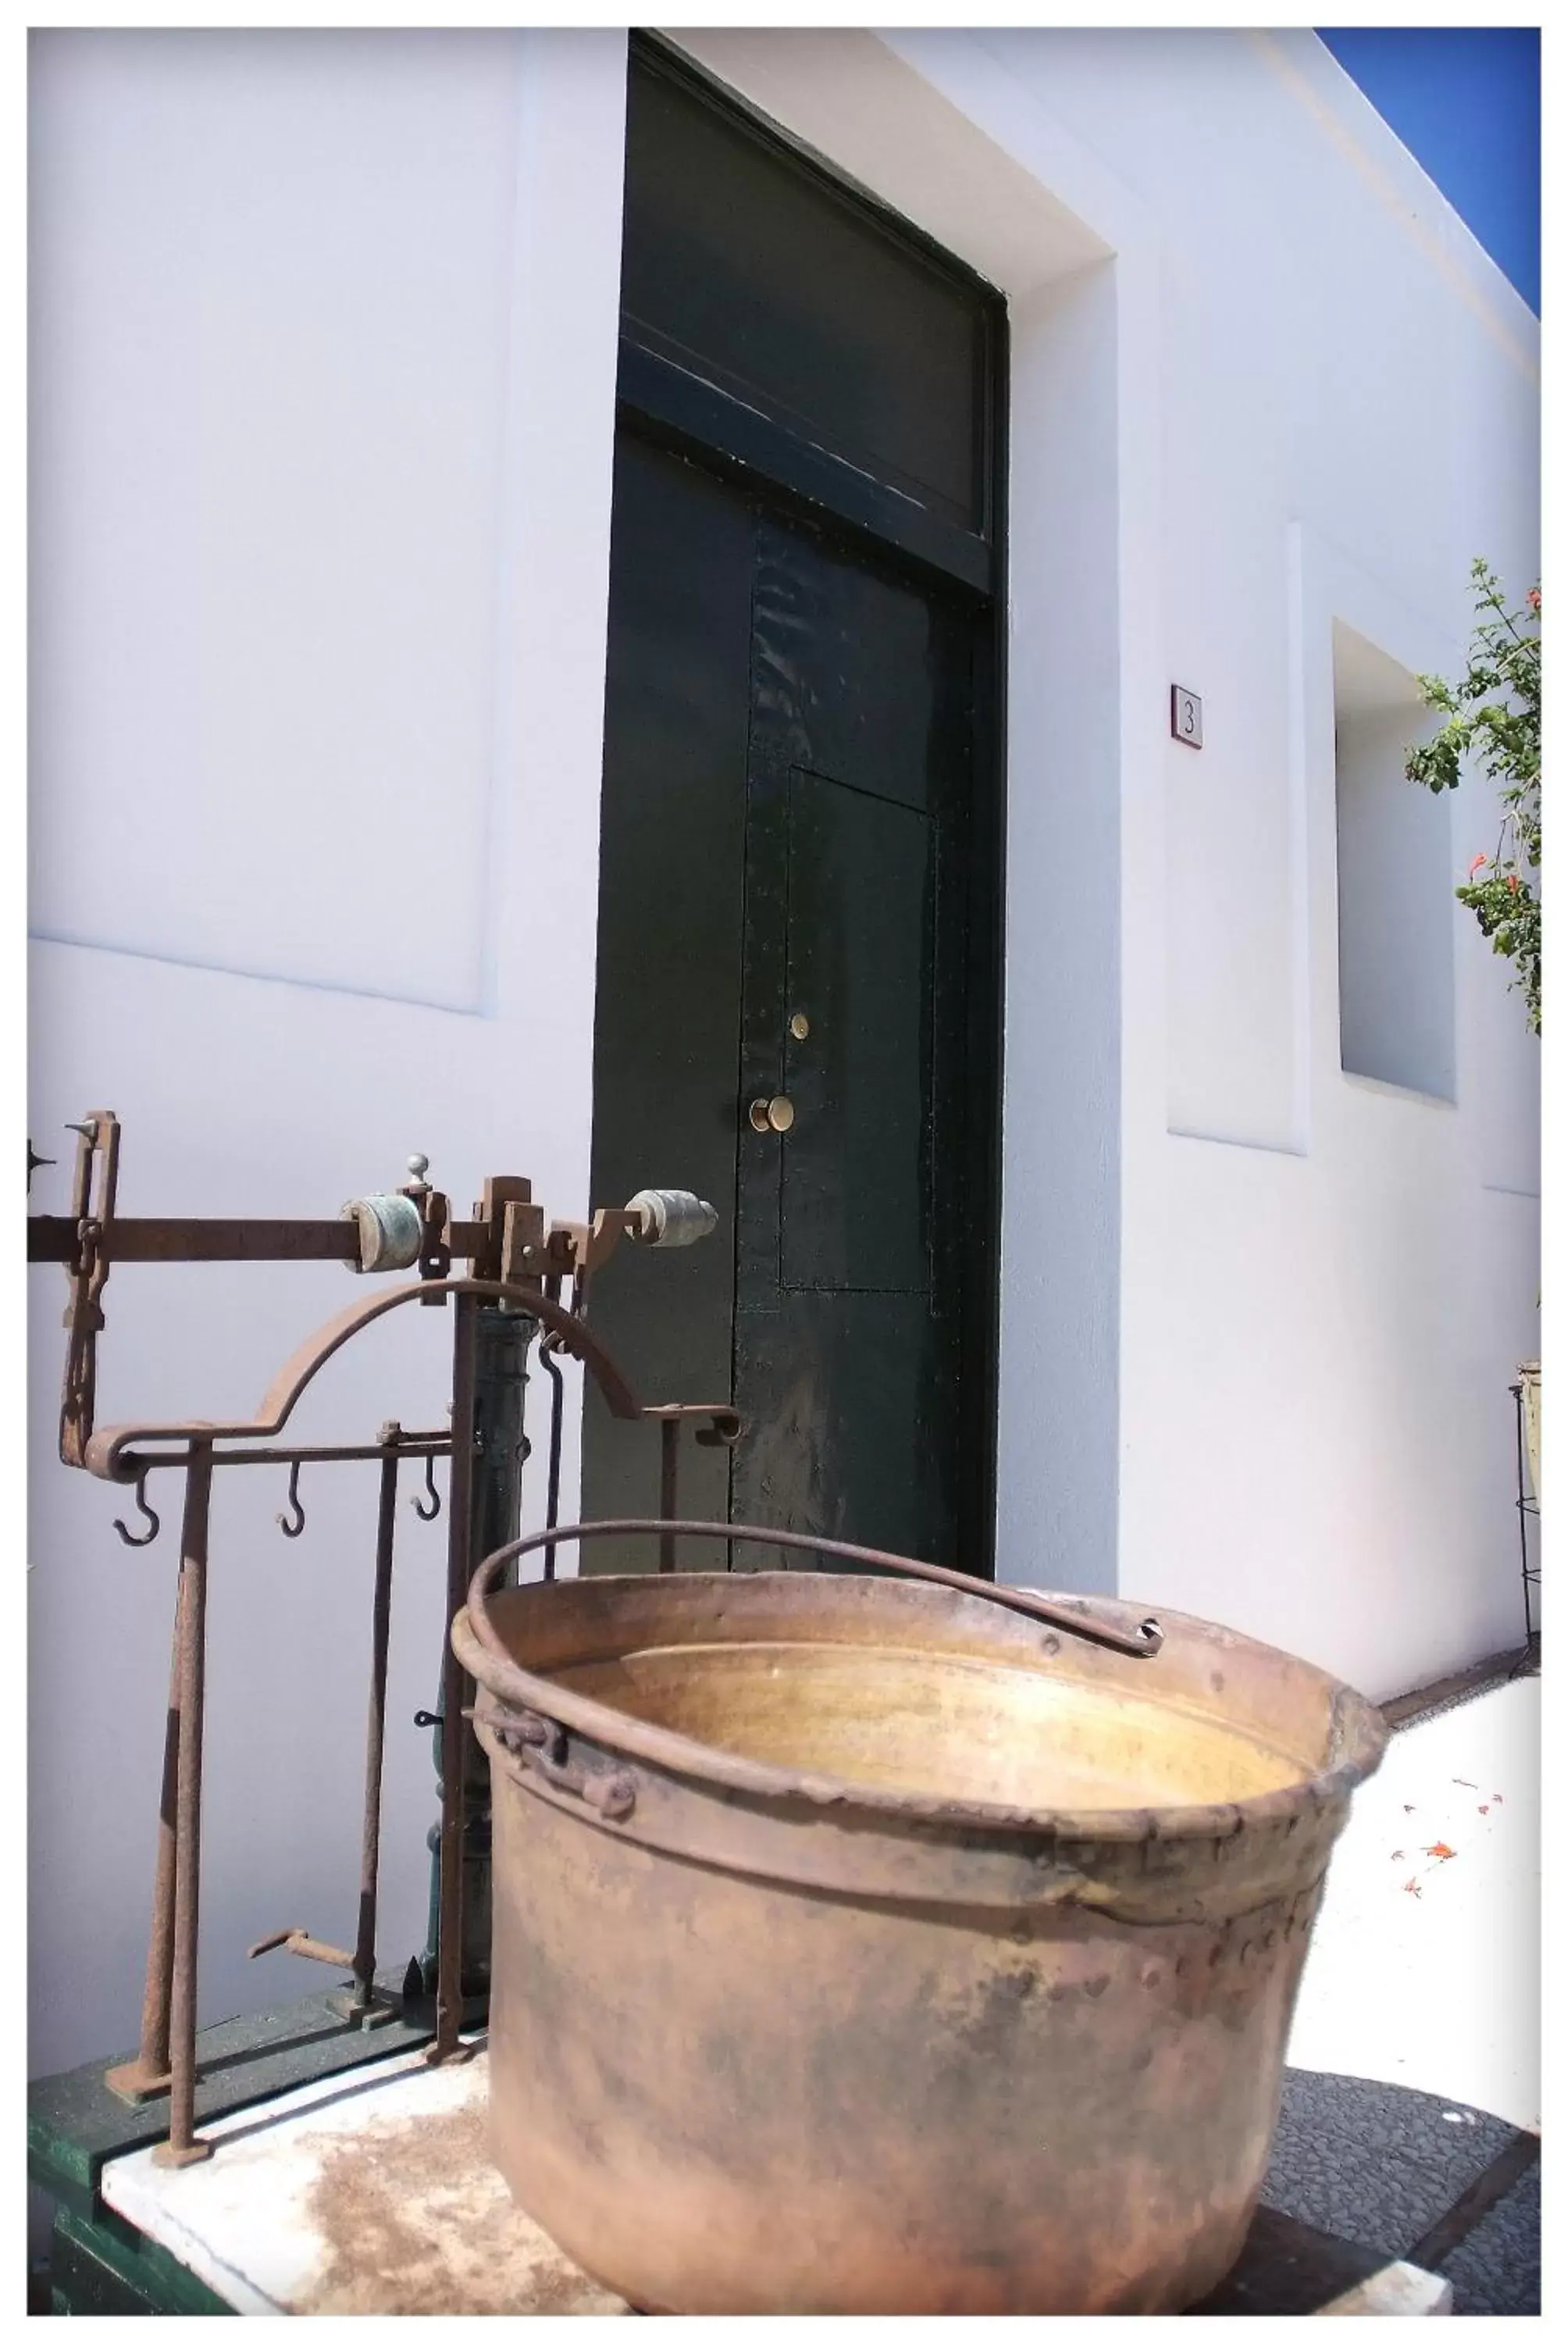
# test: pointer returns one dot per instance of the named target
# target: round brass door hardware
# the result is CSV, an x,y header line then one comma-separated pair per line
x,y
772,1115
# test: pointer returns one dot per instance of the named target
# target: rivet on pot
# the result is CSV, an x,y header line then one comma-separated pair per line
x,y
614,1795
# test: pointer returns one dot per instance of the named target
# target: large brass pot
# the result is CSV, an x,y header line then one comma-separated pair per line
x,y
862,1945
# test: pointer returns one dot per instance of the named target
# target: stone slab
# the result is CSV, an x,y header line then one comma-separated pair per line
x,y
376,2193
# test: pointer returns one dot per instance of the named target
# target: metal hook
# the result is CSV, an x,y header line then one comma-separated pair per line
x,y
145,1511
292,1528
429,1513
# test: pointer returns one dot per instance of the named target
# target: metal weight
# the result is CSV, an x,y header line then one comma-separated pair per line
x,y
389,1230
672,1216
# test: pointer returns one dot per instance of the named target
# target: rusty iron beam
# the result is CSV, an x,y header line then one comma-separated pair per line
x,y
107,1450
57,1237
416,1444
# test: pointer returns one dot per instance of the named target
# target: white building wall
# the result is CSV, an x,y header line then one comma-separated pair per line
x,y
323,350
322,360
1326,1286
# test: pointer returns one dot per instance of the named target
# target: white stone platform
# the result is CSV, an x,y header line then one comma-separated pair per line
x,y
372,2194
363,2194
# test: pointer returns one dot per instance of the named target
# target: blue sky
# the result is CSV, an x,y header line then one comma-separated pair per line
x,y
1468,107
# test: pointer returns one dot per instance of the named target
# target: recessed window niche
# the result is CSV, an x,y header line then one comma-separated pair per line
x,y
1395,881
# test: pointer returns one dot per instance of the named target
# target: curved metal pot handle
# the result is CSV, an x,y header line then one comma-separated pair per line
x,y
1141,1645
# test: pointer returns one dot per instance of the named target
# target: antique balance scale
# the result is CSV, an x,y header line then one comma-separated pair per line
x,y
505,1297
796,1798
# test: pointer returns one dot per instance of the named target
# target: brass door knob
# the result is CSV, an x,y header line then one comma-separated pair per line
x,y
772,1115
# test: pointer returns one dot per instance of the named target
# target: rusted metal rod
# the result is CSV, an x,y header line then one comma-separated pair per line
x,y
154,2041
182,2147
301,1943
147,2074
56,1236
459,1509
131,1462
376,1724
669,1485
553,1472
86,1266
558,1397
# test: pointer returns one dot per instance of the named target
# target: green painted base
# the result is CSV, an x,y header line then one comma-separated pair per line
x,y
75,2124
104,2268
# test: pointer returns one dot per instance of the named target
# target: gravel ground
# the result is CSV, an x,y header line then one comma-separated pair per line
x,y
1497,2269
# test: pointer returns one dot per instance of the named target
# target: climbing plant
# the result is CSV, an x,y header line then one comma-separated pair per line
x,y
1493,713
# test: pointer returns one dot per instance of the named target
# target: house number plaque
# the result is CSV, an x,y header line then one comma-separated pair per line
x,y
1186,716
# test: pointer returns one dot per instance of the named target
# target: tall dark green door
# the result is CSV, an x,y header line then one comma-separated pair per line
x,y
798,996
847,1348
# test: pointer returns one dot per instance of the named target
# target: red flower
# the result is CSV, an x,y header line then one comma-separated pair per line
x,y
1514,882
1475,866
1534,597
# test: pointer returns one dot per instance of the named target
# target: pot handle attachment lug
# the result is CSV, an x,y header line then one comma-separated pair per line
x,y
541,1745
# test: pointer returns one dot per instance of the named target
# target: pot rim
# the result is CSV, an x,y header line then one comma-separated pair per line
x,y
1357,1738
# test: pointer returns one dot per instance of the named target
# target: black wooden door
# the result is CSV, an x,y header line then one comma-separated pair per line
x,y
848,1326
785,916
799,972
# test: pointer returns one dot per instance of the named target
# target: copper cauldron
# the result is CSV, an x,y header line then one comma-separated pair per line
x,y
887,1946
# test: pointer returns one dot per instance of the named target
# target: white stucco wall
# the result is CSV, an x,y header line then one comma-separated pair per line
x,y
1325,1285
323,360
323,347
